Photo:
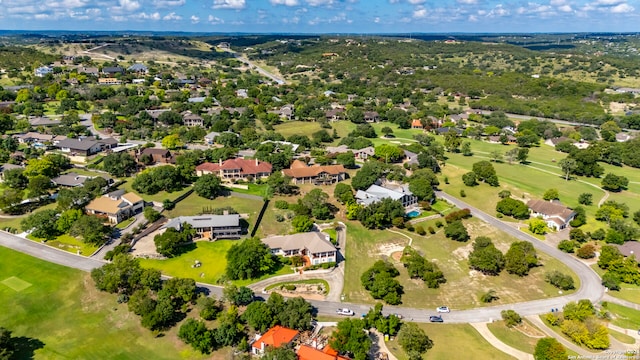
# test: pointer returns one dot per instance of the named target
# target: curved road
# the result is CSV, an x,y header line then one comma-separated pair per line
x,y
590,283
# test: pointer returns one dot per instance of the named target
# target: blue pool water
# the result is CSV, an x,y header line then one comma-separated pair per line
x,y
413,213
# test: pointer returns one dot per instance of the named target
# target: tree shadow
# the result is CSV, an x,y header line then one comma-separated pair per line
x,y
25,347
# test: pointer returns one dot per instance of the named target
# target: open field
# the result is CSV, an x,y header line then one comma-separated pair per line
x,y
628,292
453,341
463,287
623,338
212,256
159,197
523,337
68,243
623,316
64,317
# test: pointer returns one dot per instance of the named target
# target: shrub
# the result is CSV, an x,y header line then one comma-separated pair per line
x,y
489,296
457,215
410,228
610,281
598,234
511,318
398,222
289,287
463,194
559,280
281,204
420,230
587,251
567,246
279,218
431,230
439,224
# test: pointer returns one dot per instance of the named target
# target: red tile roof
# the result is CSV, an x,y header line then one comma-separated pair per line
x,y
246,166
310,171
276,337
306,352
416,123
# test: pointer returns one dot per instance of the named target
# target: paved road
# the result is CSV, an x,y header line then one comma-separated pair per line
x,y
557,121
278,80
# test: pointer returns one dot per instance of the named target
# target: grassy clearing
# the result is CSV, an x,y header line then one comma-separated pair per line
x,y
194,205
124,224
159,197
269,225
212,256
514,337
14,222
253,189
623,316
453,341
464,286
65,313
68,243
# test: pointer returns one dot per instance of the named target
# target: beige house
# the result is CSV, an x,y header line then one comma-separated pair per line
x,y
116,206
315,247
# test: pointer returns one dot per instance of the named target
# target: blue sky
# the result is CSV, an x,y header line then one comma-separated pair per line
x,y
323,16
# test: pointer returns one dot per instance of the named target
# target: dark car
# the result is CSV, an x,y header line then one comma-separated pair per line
x,y
436,319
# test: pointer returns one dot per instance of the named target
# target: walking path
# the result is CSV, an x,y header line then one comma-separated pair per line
x,y
496,343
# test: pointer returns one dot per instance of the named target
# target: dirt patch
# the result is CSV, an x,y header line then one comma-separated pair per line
x,y
145,246
462,253
388,249
396,256
619,108
305,296
530,330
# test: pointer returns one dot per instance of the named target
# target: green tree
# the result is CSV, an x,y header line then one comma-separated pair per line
x,y
585,199
209,307
549,349
414,341
302,223
208,186
466,149
568,166
15,179
512,207
511,318
469,179
67,218
7,347
10,199
485,257
91,229
389,153
456,231
343,193
523,154
279,353
379,281
350,338
486,173
172,142
119,164
39,185
249,259
520,257
614,182
151,214
43,224
452,141
422,188
551,194
258,315
170,242
280,184
196,334
537,226
559,280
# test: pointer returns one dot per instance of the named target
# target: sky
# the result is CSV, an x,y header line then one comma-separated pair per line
x,y
324,16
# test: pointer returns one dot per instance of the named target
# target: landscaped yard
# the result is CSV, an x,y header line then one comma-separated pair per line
x,y
68,243
523,337
463,287
212,256
124,224
159,197
453,341
195,205
623,316
64,316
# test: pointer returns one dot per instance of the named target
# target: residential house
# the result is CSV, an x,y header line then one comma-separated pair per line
x,y
109,81
116,206
364,153
371,116
80,146
242,93
210,138
446,130
155,114
286,112
112,70
275,337
38,140
5,167
138,68
236,169
190,119
44,121
416,124
211,227
74,180
89,70
6,104
495,139
138,81
294,147
556,140
411,157
301,173
376,193
196,100
43,71
623,137
158,156
556,215
630,249
457,118
306,352
314,247
340,149
334,114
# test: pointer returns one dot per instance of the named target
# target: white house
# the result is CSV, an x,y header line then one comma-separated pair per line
x,y
556,215
313,245
376,193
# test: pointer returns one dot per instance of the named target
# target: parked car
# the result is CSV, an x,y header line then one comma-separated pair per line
x,y
345,311
434,318
443,309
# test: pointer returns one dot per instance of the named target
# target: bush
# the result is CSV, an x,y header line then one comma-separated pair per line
x,y
290,287
610,281
511,318
457,215
567,246
559,280
420,230
439,224
598,234
463,194
431,230
410,228
398,222
279,218
587,251
281,204
489,296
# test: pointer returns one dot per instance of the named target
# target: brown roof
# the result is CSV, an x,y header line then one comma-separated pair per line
x,y
132,197
297,164
315,170
246,166
155,151
550,208
105,204
628,247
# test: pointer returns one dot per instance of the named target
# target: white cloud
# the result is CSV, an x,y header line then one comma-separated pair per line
x,y
472,18
565,8
215,20
607,2
622,8
285,2
376,19
320,2
67,4
168,3
129,5
195,19
293,20
145,16
229,4
420,14
468,2
498,11
172,16
416,2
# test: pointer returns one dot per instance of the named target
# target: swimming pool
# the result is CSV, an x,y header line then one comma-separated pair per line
x,y
413,213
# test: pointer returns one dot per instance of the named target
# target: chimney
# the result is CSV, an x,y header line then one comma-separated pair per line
x,y
220,162
256,162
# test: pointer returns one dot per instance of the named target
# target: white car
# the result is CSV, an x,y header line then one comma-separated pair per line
x,y
443,309
345,311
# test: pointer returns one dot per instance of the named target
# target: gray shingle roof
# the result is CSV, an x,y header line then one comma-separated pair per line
x,y
204,221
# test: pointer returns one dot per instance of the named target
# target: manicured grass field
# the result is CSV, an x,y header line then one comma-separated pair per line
x,y
212,256
65,317
194,205
513,337
623,316
125,223
623,338
464,286
453,341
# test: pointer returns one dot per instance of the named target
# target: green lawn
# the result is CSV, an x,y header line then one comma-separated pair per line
x,y
623,316
68,243
623,338
254,189
65,317
159,197
628,292
269,224
212,256
453,341
463,288
14,222
514,337
125,223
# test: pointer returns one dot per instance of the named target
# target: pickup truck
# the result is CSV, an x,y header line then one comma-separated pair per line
x,y
345,311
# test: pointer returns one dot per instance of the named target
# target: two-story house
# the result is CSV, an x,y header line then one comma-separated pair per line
x,y
236,169
376,193
314,247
